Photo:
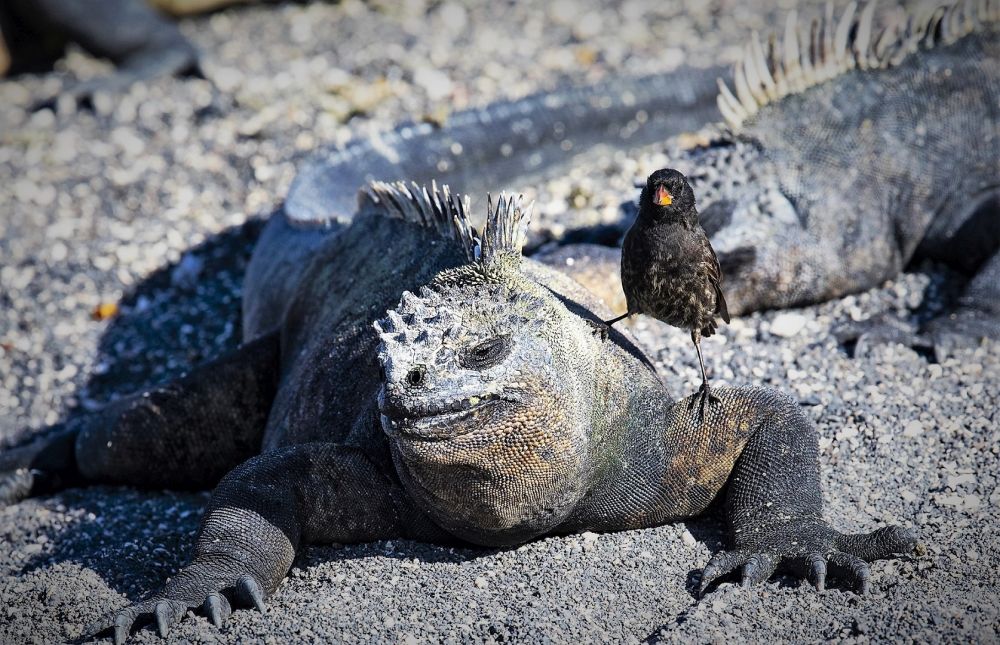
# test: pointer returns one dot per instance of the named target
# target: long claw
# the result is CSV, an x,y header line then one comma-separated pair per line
x,y
217,609
721,564
757,569
853,569
817,571
122,624
250,592
164,616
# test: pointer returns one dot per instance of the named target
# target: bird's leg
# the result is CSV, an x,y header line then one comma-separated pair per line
x,y
608,323
704,392
601,328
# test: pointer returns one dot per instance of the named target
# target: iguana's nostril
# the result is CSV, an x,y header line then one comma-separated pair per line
x,y
416,376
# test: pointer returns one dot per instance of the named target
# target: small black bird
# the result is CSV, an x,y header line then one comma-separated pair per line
x,y
669,269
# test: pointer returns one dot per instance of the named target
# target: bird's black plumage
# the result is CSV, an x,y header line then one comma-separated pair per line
x,y
669,269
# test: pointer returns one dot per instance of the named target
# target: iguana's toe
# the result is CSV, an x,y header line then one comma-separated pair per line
x,y
15,485
123,621
722,564
816,570
249,592
217,608
859,338
44,464
851,569
123,625
758,568
167,613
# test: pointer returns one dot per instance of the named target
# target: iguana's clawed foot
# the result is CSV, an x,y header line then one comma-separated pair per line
x,y
16,485
599,328
704,394
168,609
812,552
859,338
964,328
42,465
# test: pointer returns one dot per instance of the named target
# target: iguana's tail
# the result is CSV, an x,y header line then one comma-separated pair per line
x,y
487,149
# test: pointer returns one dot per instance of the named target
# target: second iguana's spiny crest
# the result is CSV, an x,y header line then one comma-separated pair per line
x,y
815,52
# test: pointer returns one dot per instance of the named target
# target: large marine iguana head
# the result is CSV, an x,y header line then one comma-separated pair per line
x,y
487,379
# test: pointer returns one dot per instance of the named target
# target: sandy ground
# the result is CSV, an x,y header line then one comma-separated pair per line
x,y
153,201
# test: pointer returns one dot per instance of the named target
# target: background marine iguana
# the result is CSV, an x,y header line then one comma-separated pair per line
x,y
851,153
490,413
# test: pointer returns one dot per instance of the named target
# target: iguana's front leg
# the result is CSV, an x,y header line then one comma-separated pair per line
x,y
755,447
774,506
258,517
186,433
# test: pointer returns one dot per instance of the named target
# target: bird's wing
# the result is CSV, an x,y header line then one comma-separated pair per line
x,y
715,277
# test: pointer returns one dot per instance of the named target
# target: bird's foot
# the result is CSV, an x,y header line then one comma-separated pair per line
x,y
599,328
704,394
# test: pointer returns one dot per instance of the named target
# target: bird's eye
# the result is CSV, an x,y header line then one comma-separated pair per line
x,y
487,353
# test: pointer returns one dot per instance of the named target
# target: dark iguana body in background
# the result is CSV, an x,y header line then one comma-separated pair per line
x,y
131,34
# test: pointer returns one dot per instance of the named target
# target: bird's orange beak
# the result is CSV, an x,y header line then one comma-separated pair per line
x,y
662,197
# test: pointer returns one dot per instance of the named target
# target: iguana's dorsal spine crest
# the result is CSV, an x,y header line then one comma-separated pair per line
x,y
506,227
435,208
813,53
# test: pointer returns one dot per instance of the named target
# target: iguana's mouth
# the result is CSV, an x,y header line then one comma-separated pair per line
x,y
433,420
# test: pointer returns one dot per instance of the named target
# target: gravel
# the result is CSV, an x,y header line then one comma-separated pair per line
x,y
124,238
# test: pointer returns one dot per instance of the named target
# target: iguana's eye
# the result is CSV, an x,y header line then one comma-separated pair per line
x,y
487,353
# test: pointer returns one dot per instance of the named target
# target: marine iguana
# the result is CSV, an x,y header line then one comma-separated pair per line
x,y
481,408
849,154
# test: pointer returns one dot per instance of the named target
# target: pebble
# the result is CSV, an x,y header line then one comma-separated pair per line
x,y
435,83
787,324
